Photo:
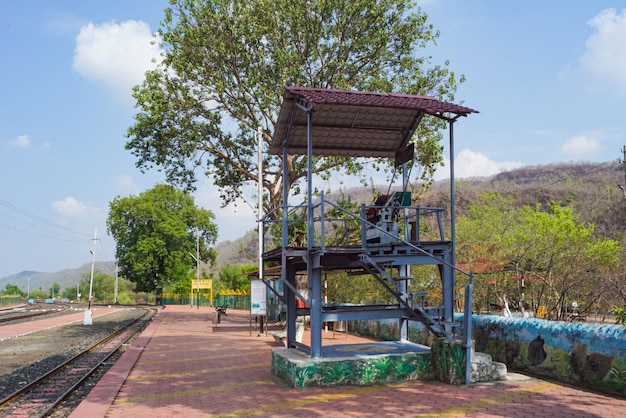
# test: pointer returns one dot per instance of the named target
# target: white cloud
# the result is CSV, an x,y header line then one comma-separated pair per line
x,y
469,163
125,182
117,55
581,146
20,141
70,207
604,61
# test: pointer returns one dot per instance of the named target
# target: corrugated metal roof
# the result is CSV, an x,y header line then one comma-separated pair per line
x,y
352,123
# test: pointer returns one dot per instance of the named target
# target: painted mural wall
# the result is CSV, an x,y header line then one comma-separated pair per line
x,y
581,354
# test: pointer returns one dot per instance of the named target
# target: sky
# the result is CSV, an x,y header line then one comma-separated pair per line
x,y
548,78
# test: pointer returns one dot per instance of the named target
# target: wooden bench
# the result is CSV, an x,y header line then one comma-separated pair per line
x,y
281,336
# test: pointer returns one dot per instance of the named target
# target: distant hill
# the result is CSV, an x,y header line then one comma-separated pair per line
x,y
590,188
65,278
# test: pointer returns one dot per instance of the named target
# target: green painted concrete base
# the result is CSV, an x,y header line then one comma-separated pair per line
x,y
299,370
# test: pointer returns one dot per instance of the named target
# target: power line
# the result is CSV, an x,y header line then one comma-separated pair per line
x,y
37,224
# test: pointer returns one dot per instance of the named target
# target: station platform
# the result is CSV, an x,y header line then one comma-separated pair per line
x,y
184,365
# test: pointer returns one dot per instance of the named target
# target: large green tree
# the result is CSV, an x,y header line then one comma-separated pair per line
x,y
156,234
224,67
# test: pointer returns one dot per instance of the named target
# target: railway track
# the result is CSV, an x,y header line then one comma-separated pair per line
x,y
32,311
40,397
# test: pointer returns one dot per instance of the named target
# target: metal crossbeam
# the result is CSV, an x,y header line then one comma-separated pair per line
x,y
403,298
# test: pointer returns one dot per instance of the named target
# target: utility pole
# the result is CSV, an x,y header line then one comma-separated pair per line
x,y
197,258
198,267
260,214
88,314
115,287
623,161
93,261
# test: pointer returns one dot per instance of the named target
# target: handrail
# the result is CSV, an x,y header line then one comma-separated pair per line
x,y
424,252
419,211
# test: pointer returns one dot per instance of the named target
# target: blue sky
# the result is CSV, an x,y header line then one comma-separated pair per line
x,y
549,80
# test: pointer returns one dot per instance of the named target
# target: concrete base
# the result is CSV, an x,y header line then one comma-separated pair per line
x,y
353,364
88,319
484,369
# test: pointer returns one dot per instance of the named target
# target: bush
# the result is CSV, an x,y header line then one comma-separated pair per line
x,y
620,315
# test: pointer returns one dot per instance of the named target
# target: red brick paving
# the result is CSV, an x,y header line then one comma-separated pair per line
x,y
184,366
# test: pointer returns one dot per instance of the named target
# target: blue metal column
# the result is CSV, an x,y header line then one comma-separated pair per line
x,y
290,298
447,290
314,276
404,271
287,271
315,280
449,274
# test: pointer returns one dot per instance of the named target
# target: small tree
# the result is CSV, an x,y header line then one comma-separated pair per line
x,y
38,294
12,289
70,293
232,277
55,290
620,315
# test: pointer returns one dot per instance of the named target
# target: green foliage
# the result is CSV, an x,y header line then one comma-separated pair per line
x,y
103,289
12,289
355,289
620,315
38,294
155,234
233,277
55,290
70,293
345,228
549,254
223,72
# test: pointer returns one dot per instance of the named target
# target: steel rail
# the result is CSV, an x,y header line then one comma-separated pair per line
x,y
46,392
18,315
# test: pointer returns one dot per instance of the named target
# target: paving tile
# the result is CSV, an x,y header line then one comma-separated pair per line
x,y
189,368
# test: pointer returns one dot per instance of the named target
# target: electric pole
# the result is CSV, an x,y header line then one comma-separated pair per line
x,y
88,314
93,261
623,161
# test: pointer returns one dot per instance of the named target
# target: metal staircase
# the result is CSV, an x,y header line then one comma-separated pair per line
x,y
431,317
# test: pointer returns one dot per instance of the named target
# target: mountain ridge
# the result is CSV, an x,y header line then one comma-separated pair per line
x,y
590,188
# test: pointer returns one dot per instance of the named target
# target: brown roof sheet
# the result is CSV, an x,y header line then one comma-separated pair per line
x,y
353,123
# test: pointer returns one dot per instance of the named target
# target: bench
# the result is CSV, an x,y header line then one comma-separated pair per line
x,y
281,336
575,316
222,309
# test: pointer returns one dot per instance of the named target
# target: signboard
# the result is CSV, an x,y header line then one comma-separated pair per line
x,y
202,284
258,298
